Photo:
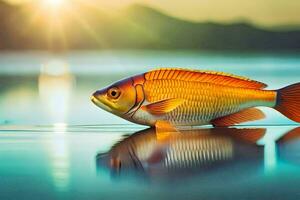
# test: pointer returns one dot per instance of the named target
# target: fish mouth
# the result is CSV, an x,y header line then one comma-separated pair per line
x,y
100,103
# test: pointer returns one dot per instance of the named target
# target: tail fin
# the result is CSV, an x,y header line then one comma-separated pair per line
x,y
288,102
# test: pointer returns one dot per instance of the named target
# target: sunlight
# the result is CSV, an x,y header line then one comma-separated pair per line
x,y
55,87
58,148
54,3
270,147
61,17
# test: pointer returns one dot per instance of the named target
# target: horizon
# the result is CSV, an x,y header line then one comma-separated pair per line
x,y
262,14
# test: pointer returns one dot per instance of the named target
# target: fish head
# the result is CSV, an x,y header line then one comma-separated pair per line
x,y
117,98
130,153
117,161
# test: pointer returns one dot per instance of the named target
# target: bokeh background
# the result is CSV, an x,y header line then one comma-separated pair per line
x,y
141,24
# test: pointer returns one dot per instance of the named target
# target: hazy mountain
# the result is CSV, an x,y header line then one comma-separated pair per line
x,y
134,27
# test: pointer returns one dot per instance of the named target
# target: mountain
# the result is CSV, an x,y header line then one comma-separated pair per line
x,y
183,34
136,27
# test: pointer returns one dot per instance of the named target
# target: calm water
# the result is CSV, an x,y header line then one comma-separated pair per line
x,y
55,144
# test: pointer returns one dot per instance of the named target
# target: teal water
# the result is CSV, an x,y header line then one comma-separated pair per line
x,y
55,144
75,163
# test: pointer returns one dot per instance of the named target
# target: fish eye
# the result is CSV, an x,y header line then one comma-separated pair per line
x,y
114,93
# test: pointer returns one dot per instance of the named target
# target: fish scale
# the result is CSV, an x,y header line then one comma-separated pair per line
x,y
203,101
186,153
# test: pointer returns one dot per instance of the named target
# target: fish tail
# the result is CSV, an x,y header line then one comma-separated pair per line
x,y
288,101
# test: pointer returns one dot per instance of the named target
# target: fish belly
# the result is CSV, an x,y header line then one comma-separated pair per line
x,y
204,102
189,152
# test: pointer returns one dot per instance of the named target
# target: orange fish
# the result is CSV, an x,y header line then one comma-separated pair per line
x,y
180,97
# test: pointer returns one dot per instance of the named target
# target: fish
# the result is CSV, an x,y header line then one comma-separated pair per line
x,y
173,97
177,153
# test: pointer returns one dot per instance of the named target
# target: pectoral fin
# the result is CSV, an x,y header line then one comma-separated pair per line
x,y
163,107
250,114
164,130
157,156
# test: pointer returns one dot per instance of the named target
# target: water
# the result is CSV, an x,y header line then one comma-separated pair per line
x,y
68,163
55,144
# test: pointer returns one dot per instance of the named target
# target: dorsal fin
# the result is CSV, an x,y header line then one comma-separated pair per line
x,y
219,78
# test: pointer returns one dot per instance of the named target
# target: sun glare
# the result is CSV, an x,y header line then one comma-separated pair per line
x,y
54,3
58,15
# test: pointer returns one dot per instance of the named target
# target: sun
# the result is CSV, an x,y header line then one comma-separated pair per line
x,y
56,16
53,3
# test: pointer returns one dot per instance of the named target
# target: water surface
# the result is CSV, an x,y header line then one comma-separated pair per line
x,y
55,144
80,162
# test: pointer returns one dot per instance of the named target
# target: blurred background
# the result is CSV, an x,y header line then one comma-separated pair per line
x,y
55,53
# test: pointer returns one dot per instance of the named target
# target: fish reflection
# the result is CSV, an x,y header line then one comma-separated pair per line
x,y
177,154
289,147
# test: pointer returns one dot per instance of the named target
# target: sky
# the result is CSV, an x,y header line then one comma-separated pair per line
x,y
259,12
